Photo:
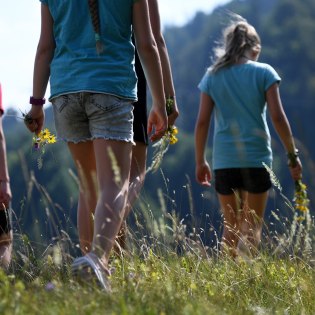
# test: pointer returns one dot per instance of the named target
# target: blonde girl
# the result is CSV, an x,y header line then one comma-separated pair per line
x,y
238,90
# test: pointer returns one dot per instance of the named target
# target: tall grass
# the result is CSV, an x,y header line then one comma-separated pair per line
x,y
168,268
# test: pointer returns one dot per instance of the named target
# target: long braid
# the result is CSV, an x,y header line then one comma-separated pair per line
x,y
94,12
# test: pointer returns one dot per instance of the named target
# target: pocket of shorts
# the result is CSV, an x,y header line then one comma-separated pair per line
x,y
105,102
60,102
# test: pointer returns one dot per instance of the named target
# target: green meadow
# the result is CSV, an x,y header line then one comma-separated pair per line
x,y
167,270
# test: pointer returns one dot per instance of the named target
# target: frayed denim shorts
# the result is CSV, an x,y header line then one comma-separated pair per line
x,y
86,116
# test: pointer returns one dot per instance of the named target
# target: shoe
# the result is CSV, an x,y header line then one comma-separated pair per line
x,y
88,268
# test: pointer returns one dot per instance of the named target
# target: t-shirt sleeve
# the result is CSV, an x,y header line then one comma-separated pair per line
x,y
44,2
204,84
271,77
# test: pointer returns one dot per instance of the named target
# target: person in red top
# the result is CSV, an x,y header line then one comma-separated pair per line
x,y
6,235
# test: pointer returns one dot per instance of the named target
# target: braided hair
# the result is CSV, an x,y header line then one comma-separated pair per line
x,y
94,12
238,38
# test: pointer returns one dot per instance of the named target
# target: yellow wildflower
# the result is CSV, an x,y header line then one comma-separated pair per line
x,y
44,134
52,139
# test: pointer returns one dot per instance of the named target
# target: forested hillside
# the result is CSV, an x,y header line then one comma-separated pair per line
x,y
45,197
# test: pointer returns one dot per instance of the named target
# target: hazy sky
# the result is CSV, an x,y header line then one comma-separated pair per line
x,y
19,32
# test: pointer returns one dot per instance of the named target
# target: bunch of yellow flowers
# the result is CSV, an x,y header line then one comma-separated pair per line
x,y
40,141
301,201
161,147
170,134
170,137
43,138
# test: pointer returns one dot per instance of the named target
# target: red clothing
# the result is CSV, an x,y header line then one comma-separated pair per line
x,y
1,108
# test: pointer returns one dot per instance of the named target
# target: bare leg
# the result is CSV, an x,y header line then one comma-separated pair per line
x,y
137,176
252,219
230,206
84,157
113,181
5,249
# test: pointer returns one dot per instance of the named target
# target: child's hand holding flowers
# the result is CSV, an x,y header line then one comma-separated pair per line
x,y
301,201
295,165
172,113
34,119
170,136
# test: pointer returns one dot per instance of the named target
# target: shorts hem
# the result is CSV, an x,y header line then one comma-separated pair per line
x,y
76,141
241,188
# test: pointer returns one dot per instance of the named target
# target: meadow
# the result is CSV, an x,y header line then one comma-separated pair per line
x,y
168,269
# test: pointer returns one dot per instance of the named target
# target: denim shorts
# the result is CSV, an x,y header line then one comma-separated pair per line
x,y
253,180
86,116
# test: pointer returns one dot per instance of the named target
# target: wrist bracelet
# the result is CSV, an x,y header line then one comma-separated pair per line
x,y
37,101
292,156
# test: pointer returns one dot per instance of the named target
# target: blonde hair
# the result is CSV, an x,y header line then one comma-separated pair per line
x,y
94,12
238,38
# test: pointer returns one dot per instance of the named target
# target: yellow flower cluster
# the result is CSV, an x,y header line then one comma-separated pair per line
x,y
171,133
43,138
40,141
301,201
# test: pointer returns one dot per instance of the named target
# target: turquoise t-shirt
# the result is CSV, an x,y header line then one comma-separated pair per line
x,y
241,134
76,66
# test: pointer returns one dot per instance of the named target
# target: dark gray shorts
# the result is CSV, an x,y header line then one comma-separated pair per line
x,y
86,116
253,180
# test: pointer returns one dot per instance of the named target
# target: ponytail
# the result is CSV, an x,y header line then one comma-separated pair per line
x,y
238,38
94,12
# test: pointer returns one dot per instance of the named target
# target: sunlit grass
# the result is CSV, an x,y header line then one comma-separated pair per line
x,y
167,270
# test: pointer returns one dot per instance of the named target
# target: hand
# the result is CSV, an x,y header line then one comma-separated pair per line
x,y
296,169
157,123
203,174
34,119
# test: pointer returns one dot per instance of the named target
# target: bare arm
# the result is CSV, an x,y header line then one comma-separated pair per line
x,y
169,89
5,190
282,126
149,56
203,171
44,55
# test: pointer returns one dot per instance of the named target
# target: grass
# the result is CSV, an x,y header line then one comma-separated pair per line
x,y
166,284
167,271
